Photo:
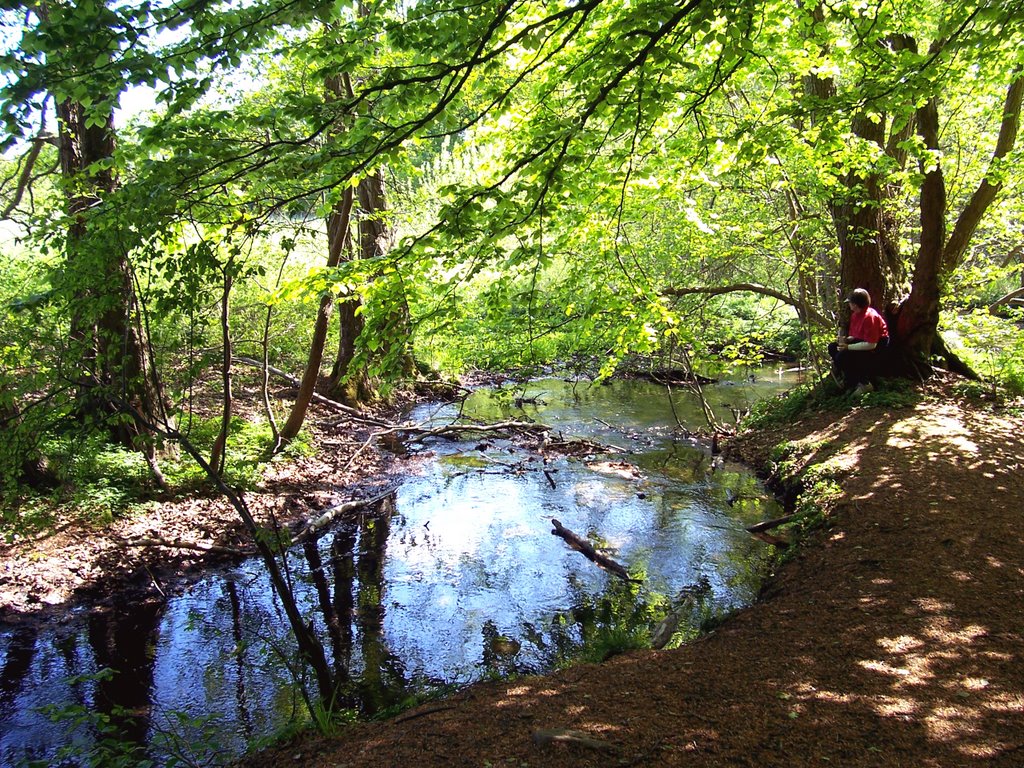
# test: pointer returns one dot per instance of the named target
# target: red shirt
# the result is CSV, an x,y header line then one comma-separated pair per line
x,y
868,325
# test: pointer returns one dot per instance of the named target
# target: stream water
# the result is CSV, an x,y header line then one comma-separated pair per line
x,y
456,578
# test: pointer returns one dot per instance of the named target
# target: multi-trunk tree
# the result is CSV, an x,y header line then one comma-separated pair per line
x,y
65,56
878,98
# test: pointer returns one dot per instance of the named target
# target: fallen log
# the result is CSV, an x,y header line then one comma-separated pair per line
x,y
327,516
585,548
197,546
767,525
547,736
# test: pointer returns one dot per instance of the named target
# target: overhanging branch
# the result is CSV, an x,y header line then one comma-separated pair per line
x,y
987,190
807,312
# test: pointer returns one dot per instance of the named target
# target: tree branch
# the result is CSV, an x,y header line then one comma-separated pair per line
x,y
986,192
1007,299
29,160
812,314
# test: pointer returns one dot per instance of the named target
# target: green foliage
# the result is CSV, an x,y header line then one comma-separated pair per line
x,y
97,737
246,453
825,394
104,748
891,394
574,184
992,345
783,409
97,483
608,641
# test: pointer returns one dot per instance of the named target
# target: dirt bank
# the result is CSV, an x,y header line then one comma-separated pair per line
x,y
893,638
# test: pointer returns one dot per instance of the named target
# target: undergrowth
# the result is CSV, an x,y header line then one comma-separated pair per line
x,y
826,395
97,482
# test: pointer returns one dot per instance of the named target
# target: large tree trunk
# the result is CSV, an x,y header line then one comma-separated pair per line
x,y
916,330
866,229
866,224
110,347
919,316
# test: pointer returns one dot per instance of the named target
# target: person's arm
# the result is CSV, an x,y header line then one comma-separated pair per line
x,y
861,346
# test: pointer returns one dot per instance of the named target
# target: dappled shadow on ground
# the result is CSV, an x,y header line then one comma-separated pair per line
x,y
894,638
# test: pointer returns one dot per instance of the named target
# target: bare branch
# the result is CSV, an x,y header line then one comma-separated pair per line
x,y
1013,297
25,177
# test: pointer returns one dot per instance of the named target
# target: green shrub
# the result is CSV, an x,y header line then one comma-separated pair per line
x,y
993,346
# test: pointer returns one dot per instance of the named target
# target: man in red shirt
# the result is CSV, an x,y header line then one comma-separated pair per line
x,y
856,354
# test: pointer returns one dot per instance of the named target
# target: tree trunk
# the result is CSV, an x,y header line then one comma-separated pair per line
x,y
917,327
865,228
919,316
337,238
108,341
219,452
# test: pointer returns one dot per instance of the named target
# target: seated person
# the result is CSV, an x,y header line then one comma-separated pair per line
x,y
855,355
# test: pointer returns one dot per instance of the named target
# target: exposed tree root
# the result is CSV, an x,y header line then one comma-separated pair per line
x,y
953,362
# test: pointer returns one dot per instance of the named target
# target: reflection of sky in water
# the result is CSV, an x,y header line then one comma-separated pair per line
x,y
469,554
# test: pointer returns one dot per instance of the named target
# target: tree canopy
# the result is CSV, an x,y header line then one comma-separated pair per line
x,y
598,177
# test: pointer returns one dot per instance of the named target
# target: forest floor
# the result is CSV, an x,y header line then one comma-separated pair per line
x,y
892,636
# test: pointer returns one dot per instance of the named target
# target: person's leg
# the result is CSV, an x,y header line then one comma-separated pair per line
x,y
853,367
877,363
837,365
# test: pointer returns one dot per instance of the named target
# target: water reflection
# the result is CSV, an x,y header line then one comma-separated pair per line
x,y
455,578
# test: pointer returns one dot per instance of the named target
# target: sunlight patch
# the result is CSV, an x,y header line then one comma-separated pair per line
x,y
931,605
944,631
1005,702
900,644
885,668
897,707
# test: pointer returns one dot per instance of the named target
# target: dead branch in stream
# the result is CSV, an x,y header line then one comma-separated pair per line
x,y
329,515
585,548
767,525
198,546
417,433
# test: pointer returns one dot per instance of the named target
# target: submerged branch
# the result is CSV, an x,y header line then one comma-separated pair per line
x,y
585,548
458,430
767,525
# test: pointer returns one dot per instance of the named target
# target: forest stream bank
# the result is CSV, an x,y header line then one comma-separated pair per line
x,y
892,637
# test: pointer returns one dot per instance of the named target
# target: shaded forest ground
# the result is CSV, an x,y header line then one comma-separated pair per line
x,y
893,637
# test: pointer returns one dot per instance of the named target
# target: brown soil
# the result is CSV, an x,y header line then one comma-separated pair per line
x,y
892,637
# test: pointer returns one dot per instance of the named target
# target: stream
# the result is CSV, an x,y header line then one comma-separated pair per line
x,y
454,579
